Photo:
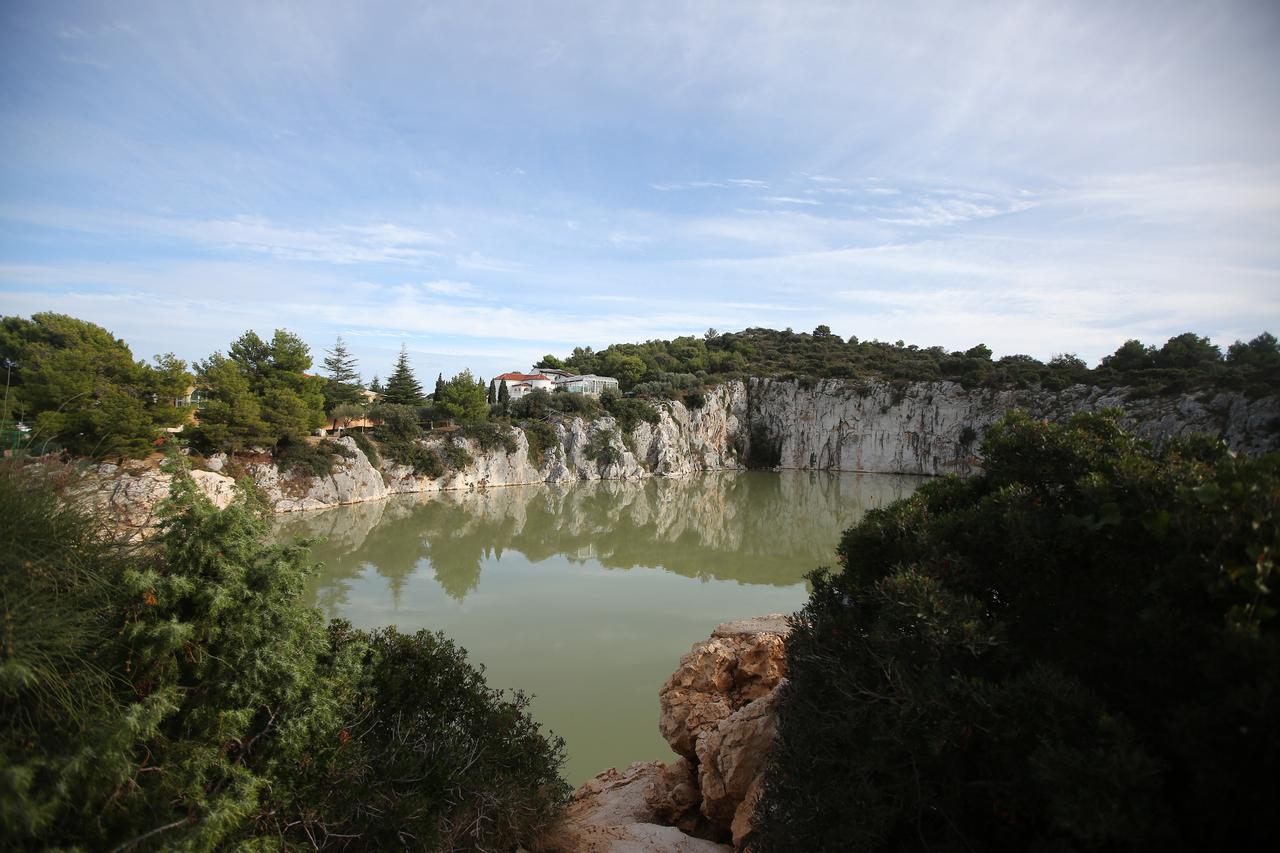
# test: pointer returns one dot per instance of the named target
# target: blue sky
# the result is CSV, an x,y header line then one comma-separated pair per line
x,y
487,182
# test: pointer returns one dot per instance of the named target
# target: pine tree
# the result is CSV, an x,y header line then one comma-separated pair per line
x,y
402,387
463,399
376,385
439,386
343,386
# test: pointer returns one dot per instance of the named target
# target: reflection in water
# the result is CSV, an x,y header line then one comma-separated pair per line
x,y
754,527
535,582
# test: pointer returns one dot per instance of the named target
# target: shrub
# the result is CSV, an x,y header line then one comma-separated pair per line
x,y
367,447
399,423
181,696
575,404
543,440
442,758
628,412
1076,650
489,437
424,461
455,455
300,458
695,400
600,448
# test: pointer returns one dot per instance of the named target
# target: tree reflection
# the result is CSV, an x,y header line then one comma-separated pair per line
x,y
753,528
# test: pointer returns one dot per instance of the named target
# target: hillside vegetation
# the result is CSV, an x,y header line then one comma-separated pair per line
x,y
671,368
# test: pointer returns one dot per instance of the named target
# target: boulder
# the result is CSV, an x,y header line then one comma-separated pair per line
x,y
741,662
731,762
675,799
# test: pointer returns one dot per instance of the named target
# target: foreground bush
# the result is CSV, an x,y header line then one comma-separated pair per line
x,y
1076,650
180,696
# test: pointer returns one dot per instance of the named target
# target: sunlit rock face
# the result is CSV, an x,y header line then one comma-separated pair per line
x,y
936,428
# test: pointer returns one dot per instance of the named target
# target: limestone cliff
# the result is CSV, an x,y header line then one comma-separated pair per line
x,y
923,428
936,427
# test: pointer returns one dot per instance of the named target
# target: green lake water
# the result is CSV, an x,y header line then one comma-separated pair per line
x,y
586,595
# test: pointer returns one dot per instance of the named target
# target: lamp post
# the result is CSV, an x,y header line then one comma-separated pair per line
x,y
9,364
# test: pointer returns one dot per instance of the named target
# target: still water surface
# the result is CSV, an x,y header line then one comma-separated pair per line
x,y
587,595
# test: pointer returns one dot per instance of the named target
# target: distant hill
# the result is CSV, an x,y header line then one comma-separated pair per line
x,y
1183,364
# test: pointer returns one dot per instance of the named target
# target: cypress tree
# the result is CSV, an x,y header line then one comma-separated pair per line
x,y
402,387
439,386
504,397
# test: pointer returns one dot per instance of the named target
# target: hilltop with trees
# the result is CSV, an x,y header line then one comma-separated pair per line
x,y
1184,363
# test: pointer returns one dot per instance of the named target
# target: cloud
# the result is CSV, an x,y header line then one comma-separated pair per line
x,y
732,183
341,244
477,261
786,199
627,240
450,288
929,213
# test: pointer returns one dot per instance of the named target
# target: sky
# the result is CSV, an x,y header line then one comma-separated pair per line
x,y
487,182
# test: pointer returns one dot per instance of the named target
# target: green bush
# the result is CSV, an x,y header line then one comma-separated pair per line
x,y
367,447
695,400
300,458
628,412
600,448
398,422
1076,650
442,758
424,461
489,436
180,696
543,440
455,456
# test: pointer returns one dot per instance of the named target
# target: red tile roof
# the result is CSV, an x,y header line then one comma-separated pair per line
x,y
521,377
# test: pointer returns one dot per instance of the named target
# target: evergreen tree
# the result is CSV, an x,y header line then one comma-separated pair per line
x,y
504,397
439,387
290,404
488,394
344,381
376,385
85,390
462,398
402,386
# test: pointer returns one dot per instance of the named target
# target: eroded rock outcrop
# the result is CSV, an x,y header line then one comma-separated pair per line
x,y
741,662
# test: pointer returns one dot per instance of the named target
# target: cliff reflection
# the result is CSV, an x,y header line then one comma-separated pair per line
x,y
754,528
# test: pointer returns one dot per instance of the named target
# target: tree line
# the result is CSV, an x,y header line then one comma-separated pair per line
x,y
76,386
1184,363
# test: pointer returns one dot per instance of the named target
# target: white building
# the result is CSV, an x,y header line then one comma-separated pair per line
x,y
519,384
587,383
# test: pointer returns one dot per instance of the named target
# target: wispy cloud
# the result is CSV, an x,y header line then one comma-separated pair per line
x,y
788,199
732,183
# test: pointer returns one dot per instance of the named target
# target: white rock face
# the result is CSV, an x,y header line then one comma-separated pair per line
x,y
936,427
924,428
125,496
